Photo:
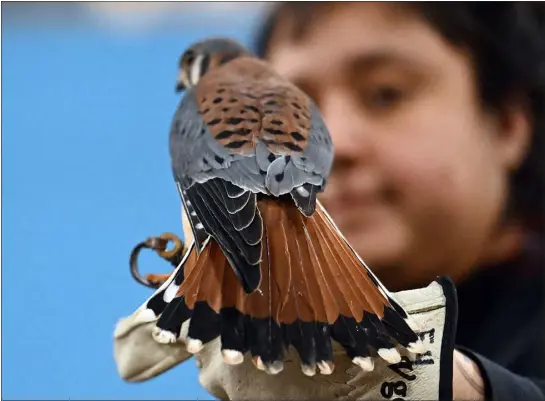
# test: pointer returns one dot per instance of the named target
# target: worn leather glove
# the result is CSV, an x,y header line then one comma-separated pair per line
x,y
425,377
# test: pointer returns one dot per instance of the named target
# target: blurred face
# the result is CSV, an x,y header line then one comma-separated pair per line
x,y
420,173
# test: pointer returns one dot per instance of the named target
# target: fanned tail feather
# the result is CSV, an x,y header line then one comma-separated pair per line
x,y
313,289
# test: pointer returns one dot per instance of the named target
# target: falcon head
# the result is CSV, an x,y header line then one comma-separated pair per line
x,y
203,56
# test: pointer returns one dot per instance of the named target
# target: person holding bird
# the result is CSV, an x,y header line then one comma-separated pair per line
x,y
435,114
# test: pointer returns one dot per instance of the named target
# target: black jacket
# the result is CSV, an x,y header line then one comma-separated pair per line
x,y
501,312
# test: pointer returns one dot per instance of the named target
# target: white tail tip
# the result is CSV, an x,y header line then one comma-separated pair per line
x,y
365,363
326,367
389,355
308,370
145,316
274,368
417,347
258,363
232,357
194,346
163,336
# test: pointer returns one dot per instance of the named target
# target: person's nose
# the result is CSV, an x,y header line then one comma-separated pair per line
x,y
344,123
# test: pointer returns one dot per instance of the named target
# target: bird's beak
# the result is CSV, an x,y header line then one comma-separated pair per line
x,y
180,82
180,86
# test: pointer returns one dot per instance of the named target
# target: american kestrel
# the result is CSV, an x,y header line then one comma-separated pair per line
x,y
268,268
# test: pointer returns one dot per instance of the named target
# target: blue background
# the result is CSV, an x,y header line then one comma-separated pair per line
x,y
85,176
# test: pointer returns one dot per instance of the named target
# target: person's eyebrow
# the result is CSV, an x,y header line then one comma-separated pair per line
x,y
381,58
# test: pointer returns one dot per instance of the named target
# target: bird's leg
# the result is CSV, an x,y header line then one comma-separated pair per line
x,y
159,245
157,279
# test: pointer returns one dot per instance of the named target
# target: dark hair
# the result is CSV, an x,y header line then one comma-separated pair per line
x,y
507,44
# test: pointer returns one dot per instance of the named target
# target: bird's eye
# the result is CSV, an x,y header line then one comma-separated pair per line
x,y
190,57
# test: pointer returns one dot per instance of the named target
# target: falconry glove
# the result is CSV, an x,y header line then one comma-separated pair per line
x,y
424,377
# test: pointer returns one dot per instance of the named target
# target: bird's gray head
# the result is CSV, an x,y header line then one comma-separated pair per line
x,y
205,55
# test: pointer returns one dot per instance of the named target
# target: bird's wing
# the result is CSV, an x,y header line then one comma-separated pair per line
x,y
219,184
